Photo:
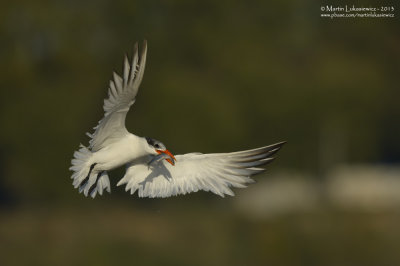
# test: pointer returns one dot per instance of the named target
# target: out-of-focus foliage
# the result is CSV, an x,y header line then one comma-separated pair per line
x,y
221,76
120,235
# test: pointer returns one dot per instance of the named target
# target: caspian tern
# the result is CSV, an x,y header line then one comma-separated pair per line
x,y
151,169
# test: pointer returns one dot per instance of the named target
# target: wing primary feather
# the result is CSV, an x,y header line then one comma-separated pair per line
x,y
257,151
113,90
126,71
118,82
252,163
134,64
244,159
142,64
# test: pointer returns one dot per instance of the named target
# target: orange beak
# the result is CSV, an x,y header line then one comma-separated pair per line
x,y
172,162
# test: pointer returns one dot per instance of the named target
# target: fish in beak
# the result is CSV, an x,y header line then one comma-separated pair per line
x,y
163,154
167,154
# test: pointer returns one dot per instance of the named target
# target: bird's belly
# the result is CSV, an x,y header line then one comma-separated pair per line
x,y
113,157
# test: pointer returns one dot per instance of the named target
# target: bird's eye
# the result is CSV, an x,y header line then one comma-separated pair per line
x,y
157,146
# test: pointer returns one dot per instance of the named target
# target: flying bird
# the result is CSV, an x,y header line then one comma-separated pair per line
x,y
151,169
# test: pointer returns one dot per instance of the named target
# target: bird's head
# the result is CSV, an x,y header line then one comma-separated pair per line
x,y
156,147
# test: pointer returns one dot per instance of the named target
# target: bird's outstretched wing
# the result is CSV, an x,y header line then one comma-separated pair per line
x,y
121,95
195,171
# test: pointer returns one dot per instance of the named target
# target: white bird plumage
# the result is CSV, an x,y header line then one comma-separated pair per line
x,y
195,171
111,146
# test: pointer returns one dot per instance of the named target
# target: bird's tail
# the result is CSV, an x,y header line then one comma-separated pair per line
x,y
85,177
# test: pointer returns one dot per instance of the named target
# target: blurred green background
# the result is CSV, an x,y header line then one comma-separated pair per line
x,y
221,76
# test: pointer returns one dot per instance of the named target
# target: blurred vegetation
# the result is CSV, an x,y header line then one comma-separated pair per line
x,y
221,76
183,235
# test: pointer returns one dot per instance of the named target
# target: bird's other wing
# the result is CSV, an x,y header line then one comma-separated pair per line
x,y
195,171
121,95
